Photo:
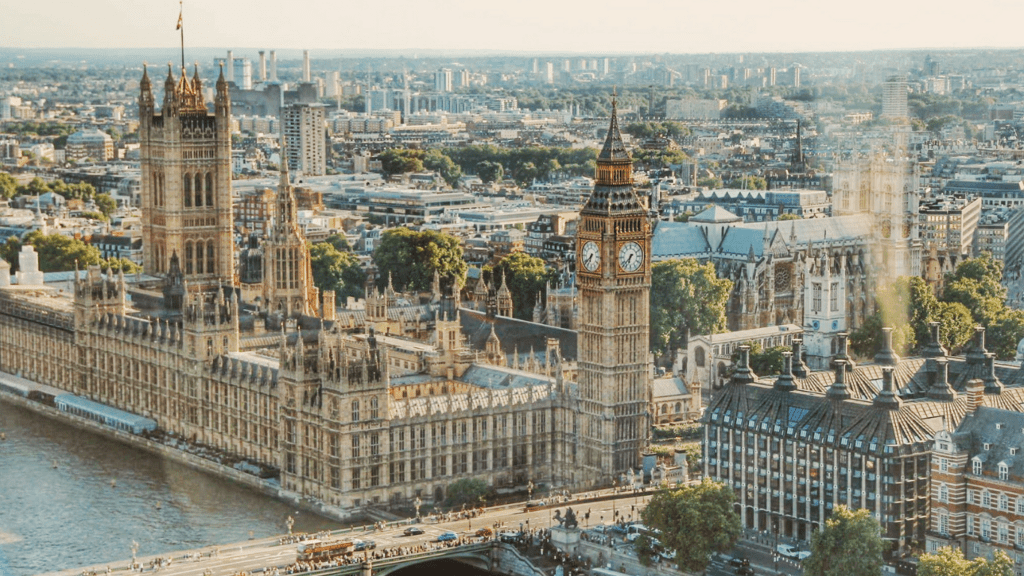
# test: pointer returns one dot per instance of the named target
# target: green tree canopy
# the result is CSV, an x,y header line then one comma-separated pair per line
x,y
850,544
526,276
56,253
949,561
449,170
410,258
8,185
398,161
336,270
695,521
340,242
976,284
687,298
490,171
106,204
749,183
466,491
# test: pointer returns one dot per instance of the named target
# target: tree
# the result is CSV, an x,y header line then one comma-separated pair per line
x,y
410,258
768,361
687,298
1005,333
340,242
957,325
784,217
490,171
396,161
949,561
645,551
121,264
695,521
850,544
710,182
976,284
525,276
8,185
337,271
449,170
106,204
465,491
749,183
907,305
56,253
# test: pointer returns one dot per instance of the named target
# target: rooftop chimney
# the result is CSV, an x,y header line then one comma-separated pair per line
x,y
992,383
263,66
230,67
273,66
934,348
975,395
799,367
784,383
743,374
305,65
940,388
843,353
887,356
838,389
886,397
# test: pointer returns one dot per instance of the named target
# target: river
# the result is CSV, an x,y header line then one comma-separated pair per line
x,y
69,498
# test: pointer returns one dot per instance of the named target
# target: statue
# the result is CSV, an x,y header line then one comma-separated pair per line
x,y
570,519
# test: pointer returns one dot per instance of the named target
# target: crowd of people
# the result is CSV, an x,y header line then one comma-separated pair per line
x,y
381,554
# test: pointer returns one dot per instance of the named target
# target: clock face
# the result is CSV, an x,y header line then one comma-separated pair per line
x,y
591,256
631,256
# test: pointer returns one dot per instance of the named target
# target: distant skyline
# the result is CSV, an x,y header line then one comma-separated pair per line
x,y
597,26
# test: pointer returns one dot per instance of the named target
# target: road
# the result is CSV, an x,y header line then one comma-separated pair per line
x,y
227,560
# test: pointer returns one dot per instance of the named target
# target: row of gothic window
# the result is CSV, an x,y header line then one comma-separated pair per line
x,y
194,192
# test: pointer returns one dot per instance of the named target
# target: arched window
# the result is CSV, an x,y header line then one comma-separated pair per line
x,y
188,257
187,192
373,408
199,257
209,188
664,408
679,407
209,257
698,356
355,410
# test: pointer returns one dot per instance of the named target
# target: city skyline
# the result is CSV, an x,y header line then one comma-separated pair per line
x,y
565,27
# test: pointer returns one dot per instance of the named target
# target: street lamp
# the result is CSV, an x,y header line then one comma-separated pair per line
x,y
289,523
417,503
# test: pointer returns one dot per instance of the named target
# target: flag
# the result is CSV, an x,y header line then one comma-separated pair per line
x,y
178,27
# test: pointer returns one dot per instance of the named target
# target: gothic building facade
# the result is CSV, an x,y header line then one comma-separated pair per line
x,y
353,406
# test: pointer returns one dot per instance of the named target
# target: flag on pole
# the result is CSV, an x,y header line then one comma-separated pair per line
x,y
178,27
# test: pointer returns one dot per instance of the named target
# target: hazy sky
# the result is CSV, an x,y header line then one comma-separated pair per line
x,y
520,25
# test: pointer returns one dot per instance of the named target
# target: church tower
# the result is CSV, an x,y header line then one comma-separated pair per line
x,y
287,273
614,279
186,181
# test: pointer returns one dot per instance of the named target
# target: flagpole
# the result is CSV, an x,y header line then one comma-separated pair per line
x,y
181,27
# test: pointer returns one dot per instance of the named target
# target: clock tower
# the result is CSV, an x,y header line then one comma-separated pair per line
x,y
614,278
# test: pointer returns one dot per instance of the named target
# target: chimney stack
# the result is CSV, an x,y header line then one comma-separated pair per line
x,y
887,356
838,389
230,65
975,395
273,65
305,65
940,388
784,383
992,383
263,66
743,373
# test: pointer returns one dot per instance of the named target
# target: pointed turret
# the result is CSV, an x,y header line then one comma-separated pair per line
x,y
613,190
170,104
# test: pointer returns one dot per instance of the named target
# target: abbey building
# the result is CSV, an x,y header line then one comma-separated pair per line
x,y
353,407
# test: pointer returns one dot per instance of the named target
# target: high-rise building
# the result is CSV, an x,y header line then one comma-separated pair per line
x,y
614,267
894,98
443,80
304,126
186,181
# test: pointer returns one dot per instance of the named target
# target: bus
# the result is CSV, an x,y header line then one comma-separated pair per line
x,y
317,550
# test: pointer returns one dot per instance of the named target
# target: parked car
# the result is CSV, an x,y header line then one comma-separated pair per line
x,y
485,532
447,535
745,571
365,545
738,561
413,531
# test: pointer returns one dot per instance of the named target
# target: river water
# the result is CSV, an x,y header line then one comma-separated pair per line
x,y
59,509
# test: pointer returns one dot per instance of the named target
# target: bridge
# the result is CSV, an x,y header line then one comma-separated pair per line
x,y
492,556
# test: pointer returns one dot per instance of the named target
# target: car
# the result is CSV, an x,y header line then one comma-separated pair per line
x,y
485,532
738,561
508,536
365,545
447,536
413,531
745,571
791,552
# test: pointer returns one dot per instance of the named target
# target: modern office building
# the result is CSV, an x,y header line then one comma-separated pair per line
x,y
305,132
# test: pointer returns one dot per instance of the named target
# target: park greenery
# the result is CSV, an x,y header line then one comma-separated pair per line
x,y
9,188
408,259
695,521
850,544
687,299
763,362
467,492
336,268
59,253
972,295
526,277
948,561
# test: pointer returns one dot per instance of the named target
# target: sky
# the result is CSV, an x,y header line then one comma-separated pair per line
x,y
558,26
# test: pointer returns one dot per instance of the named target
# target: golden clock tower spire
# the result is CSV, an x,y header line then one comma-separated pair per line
x,y
614,278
